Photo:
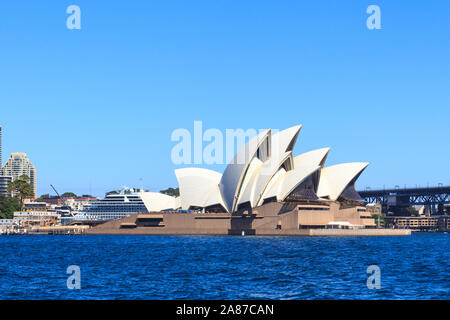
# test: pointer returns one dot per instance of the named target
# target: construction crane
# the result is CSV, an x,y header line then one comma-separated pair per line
x,y
55,191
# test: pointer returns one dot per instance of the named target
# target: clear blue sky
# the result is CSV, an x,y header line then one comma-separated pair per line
x,y
94,108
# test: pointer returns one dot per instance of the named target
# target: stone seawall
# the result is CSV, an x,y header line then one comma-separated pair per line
x,y
158,231
359,232
267,232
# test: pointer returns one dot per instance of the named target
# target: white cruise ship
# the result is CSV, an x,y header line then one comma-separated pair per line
x,y
113,206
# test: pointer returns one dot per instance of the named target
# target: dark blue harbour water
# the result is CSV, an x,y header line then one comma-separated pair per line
x,y
196,267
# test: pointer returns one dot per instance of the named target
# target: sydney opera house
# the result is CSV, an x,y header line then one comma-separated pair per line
x,y
265,190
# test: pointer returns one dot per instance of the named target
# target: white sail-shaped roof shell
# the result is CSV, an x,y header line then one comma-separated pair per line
x,y
274,186
305,164
281,146
234,174
284,140
260,178
269,169
155,201
334,179
198,187
283,183
293,179
312,158
248,187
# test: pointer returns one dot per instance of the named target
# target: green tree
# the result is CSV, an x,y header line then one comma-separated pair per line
x,y
112,192
69,195
411,211
381,223
21,189
7,207
42,197
171,192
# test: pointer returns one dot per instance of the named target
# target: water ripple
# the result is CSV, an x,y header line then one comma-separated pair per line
x,y
196,267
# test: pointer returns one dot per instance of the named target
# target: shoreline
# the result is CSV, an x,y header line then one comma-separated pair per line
x,y
235,233
274,233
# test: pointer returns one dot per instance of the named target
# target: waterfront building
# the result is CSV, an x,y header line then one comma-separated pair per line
x,y
17,165
264,190
28,219
8,222
374,208
4,183
8,226
422,223
75,203
30,206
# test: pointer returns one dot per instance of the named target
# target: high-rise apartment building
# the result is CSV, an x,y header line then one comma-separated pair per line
x,y
4,183
18,164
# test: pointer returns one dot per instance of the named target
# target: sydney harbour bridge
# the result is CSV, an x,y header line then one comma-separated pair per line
x,y
433,198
